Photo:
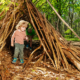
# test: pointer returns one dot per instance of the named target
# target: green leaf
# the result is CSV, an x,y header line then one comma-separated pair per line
x,y
16,4
56,78
33,70
3,1
67,31
7,8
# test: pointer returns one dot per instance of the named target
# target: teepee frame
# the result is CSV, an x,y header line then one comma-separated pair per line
x,y
55,47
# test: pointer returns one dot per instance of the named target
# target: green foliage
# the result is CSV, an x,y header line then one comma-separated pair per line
x,y
68,33
4,5
72,39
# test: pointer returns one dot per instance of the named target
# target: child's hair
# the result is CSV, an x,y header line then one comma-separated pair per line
x,y
21,22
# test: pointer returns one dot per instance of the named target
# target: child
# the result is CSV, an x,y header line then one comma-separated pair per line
x,y
30,33
19,35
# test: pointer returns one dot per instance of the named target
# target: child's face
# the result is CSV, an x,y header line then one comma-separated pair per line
x,y
23,28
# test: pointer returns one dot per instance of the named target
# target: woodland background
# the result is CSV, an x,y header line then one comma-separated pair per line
x,y
69,10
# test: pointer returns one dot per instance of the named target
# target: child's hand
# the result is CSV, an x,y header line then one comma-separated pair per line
x,y
12,45
27,39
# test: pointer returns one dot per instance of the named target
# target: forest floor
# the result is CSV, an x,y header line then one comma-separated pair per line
x,y
17,71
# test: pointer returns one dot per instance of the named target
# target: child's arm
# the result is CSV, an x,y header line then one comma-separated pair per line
x,y
12,39
26,37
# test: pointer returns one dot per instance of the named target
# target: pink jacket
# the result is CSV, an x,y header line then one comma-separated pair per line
x,y
19,37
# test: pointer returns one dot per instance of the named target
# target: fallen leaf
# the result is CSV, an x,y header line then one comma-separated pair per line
x,y
33,70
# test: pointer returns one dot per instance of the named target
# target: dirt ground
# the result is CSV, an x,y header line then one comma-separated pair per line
x,y
17,71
